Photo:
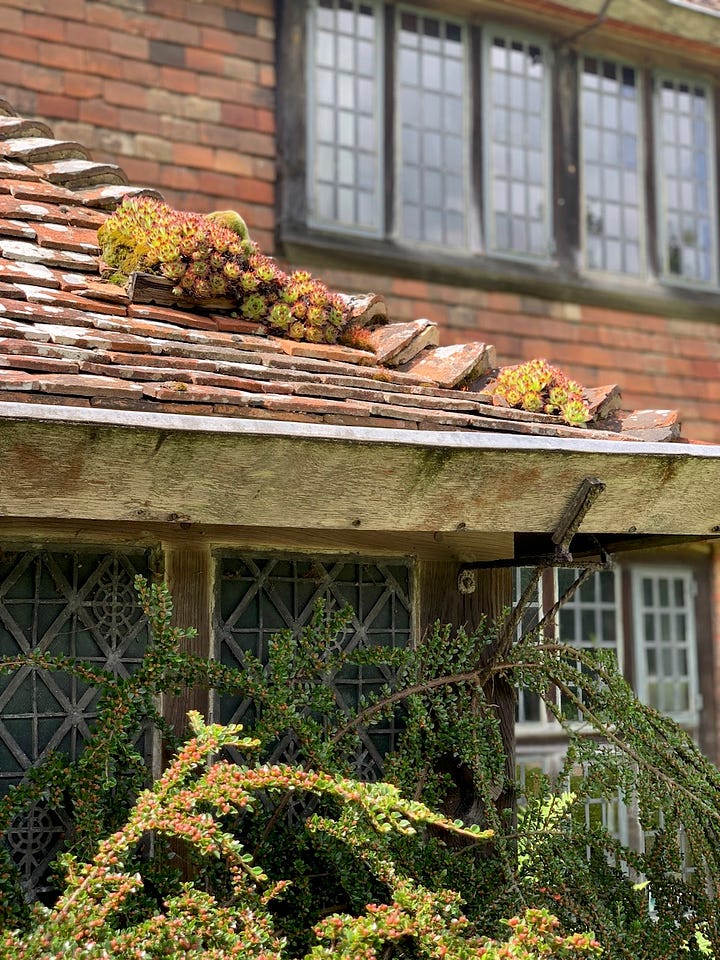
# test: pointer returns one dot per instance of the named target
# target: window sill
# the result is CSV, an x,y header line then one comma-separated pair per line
x,y
547,281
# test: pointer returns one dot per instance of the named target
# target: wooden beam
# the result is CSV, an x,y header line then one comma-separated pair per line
x,y
439,599
457,546
188,573
186,470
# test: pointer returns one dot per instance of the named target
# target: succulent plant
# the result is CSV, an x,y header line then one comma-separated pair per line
x,y
537,386
211,257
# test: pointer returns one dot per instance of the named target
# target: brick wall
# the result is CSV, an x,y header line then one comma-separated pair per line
x,y
180,93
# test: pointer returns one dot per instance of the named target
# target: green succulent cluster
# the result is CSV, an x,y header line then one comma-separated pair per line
x,y
211,257
538,387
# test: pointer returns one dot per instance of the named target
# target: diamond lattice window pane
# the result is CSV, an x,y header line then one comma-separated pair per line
x,y
258,596
80,605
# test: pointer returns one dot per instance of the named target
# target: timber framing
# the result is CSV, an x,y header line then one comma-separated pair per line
x,y
105,465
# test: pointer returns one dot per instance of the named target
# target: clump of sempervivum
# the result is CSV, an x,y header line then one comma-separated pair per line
x,y
538,387
212,257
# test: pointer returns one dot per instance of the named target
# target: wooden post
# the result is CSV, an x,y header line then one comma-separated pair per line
x,y
188,572
440,599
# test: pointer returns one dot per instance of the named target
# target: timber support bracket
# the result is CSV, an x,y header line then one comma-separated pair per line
x,y
561,538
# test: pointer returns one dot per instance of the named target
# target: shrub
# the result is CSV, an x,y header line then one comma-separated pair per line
x,y
368,870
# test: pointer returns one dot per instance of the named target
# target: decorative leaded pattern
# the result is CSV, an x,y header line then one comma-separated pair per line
x,y
344,134
517,146
612,186
433,147
685,180
259,596
73,604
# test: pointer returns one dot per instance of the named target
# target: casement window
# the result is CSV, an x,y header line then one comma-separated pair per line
x,y
414,176
663,646
517,141
588,621
686,174
259,596
665,642
432,98
345,122
427,130
612,160
62,603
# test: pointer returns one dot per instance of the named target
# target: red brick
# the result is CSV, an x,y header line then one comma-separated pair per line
x,y
205,61
43,27
193,155
179,80
51,105
126,45
266,75
81,85
12,20
146,173
98,112
183,33
15,47
503,301
97,61
217,88
402,287
227,161
122,94
264,8
87,36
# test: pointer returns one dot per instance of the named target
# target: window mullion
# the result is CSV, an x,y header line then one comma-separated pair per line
x,y
648,93
388,150
565,138
477,152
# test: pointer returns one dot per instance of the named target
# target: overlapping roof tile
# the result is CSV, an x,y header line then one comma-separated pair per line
x,y
69,337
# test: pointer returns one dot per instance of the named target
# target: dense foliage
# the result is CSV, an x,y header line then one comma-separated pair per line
x,y
211,257
288,861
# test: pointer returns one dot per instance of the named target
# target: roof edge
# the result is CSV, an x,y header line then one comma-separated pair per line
x,y
459,440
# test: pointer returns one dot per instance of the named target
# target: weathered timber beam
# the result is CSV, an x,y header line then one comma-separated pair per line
x,y
267,474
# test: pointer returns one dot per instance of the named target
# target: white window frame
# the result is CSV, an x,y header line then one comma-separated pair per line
x,y
688,718
547,725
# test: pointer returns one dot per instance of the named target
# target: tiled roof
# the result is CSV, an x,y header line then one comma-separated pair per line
x,y
68,337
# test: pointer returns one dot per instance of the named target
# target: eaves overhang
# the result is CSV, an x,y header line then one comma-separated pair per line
x,y
113,465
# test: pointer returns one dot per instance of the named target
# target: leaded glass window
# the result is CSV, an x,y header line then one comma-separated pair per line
x,y
345,170
530,707
75,604
433,145
665,651
685,179
589,620
611,166
259,596
517,145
